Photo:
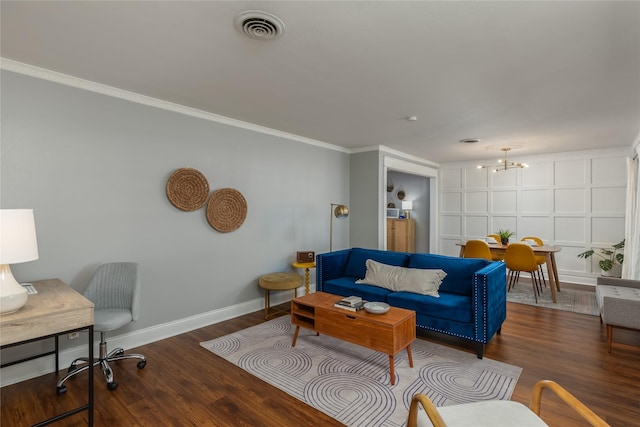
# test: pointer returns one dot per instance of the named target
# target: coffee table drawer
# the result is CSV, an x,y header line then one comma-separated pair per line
x,y
355,329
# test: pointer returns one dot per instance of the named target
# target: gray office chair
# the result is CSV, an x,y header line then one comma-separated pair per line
x,y
114,289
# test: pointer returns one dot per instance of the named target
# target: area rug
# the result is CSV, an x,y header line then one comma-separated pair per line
x,y
583,302
351,383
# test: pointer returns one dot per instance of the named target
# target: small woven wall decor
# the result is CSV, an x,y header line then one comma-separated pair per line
x,y
187,189
226,210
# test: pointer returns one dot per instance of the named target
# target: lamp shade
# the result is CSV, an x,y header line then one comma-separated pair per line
x,y
17,236
407,205
17,244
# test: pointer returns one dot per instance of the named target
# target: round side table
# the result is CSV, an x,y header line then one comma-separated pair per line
x,y
278,282
306,266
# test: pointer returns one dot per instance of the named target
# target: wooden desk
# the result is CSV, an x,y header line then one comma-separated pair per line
x,y
547,251
55,310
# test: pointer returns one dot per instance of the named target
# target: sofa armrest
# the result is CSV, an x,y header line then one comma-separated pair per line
x,y
330,265
489,300
614,281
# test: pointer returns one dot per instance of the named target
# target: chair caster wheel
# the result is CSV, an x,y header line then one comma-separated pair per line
x,y
60,390
112,386
142,364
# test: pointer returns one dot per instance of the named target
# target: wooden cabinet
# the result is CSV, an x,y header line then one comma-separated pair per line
x,y
401,235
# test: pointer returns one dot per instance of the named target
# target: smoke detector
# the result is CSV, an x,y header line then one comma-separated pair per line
x,y
259,25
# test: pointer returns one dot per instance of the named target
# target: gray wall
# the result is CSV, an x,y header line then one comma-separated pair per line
x,y
416,189
366,210
94,169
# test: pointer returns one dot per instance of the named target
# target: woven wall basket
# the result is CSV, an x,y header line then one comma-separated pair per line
x,y
187,189
226,210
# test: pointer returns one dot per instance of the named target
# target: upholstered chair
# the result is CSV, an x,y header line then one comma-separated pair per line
x,y
503,413
520,257
619,304
477,249
115,291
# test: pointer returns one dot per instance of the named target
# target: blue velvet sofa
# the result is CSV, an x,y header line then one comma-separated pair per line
x,y
472,297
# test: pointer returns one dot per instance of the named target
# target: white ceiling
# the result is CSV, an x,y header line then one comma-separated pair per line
x,y
544,77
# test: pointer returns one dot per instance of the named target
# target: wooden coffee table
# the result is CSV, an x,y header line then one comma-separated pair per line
x,y
388,333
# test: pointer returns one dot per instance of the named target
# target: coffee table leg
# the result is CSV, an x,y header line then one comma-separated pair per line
x,y
392,370
295,336
410,356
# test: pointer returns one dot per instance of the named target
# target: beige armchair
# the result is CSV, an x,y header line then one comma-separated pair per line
x,y
495,412
619,304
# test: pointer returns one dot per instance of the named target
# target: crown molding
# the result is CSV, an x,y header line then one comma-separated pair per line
x,y
65,79
568,155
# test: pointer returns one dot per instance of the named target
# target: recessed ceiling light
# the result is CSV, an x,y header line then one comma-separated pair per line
x,y
412,118
470,140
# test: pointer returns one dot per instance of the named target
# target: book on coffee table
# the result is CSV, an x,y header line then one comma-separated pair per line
x,y
347,306
352,300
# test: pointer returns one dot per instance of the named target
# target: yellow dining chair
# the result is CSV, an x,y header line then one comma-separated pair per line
x,y
519,257
477,249
540,259
496,257
496,412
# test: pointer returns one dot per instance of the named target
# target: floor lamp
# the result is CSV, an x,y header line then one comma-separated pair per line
x,y
17,244
341,211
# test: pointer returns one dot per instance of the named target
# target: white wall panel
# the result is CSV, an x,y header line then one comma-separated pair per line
x,y
504,179
607,230
568,258
476,178
476,226
570,229
451,179
539,226
537,175
476,201
608,200
504,202
451,225
504,222
535,201
451,202
570,201
570,172
609,170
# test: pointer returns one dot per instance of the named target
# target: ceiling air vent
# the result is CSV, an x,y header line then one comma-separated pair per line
x,y
259,25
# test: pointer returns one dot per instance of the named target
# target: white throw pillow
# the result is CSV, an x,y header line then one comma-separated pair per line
x,y
401,279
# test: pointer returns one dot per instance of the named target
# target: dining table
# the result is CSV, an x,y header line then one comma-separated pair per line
x,y
548,251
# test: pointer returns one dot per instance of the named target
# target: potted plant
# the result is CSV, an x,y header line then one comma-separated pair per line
x,y
611,260
504,236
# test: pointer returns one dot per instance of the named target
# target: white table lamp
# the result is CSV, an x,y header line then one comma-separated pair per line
x,y
17,244
407,206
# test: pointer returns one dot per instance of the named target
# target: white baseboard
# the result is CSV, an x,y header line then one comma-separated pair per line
x,y
45,365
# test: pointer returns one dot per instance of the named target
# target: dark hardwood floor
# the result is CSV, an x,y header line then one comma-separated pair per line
x,y
186,385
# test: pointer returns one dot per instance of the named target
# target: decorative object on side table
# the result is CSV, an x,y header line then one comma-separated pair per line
x,y
187,189
226,210
17,244
611,260
305,256
504,236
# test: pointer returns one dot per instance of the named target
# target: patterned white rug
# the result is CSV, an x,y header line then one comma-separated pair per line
x,y
351,383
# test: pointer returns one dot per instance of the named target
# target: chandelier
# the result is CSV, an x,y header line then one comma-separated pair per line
x,y
503,163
